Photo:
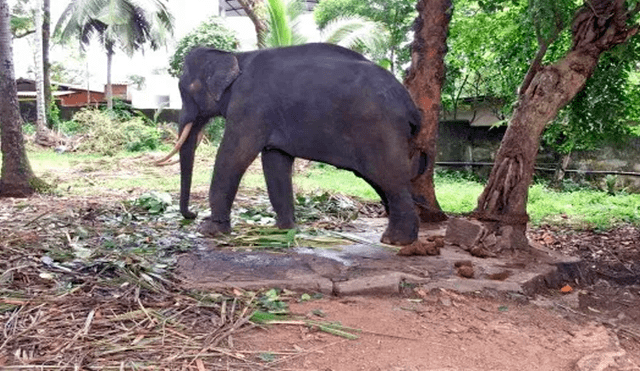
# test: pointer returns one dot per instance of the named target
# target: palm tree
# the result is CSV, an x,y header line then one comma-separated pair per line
x,y
362,35
128,24
282,23
16,177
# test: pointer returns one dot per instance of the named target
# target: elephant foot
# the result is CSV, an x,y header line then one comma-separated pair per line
x,y
211,228
288,224
405,235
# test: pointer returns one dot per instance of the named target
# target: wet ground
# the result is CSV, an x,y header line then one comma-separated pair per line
x,y
372,268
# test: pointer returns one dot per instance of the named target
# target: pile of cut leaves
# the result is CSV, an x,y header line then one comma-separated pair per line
x,y
89,284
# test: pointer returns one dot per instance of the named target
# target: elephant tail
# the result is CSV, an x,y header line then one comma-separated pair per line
x,y
415,121
420,163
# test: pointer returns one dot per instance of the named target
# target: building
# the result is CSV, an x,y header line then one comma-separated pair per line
x,y
69,95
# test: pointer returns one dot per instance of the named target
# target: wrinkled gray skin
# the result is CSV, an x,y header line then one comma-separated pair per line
x,y
317,101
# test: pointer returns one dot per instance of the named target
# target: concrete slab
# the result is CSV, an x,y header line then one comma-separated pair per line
x,y
363,269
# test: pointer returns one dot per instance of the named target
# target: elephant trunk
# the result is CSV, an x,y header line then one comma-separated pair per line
x,y
187,154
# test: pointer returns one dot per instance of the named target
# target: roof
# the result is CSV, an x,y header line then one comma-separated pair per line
x,y
61,86
233,7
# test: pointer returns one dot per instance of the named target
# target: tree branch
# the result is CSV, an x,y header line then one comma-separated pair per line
x,y
26,33
259,24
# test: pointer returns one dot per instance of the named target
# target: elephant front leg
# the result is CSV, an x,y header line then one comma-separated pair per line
x,y
277,167
234,156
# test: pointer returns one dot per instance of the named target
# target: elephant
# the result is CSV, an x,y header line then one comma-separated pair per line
x,y
316,101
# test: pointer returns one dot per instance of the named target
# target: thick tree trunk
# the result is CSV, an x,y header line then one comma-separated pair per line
x,y
503,202
16,176
424,82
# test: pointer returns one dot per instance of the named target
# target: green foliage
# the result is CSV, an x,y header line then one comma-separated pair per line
x,y
550,17
53,114
362,35
215,129
154,202
582,208
600,113
22,19
489,53
211,33
392,17
122,23
271,302
491,48
282,22
108,135
29,128
70,127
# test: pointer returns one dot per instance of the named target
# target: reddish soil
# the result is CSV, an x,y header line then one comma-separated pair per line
x,y
444,331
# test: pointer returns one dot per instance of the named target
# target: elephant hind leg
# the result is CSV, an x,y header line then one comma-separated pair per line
x,y
277,167
403,219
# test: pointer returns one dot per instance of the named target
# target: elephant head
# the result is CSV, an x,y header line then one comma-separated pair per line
x,y
207,74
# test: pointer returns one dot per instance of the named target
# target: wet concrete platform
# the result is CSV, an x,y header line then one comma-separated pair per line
x,y
359,268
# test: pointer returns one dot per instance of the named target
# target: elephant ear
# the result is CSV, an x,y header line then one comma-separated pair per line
x,y
226,71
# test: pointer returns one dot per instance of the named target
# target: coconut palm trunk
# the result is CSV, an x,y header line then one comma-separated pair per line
x,y
16,176
109,88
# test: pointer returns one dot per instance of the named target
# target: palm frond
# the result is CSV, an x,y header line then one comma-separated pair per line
x,y
130,24
279,30
359,34
283,21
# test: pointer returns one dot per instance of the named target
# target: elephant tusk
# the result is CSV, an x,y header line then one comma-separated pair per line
x,y
183,137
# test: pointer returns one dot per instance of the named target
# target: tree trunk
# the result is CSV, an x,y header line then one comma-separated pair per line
x,y
41,121
16,176
109,92
46,66
596,28
260,25
424,82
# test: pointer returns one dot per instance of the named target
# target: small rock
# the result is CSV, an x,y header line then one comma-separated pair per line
x,y
463,232
481,252
465,271
438,240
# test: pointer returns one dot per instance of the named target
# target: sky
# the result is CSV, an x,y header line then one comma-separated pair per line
x,y
187,13
96,62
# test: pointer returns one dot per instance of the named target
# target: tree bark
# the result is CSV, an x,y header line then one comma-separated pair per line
x,y
424,82
16,176
260,25
109,90
46,66
596,28
41,121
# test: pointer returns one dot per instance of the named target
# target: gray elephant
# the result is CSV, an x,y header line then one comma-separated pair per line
x,y
320,102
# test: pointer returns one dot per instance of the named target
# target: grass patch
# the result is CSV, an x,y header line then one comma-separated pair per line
x,y
77,173
328,178
582,209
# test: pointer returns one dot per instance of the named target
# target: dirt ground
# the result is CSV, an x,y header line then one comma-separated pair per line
x,y
595,326
445,331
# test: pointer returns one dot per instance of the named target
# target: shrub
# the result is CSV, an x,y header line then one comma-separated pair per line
x,y
215,129
107,135
29,128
